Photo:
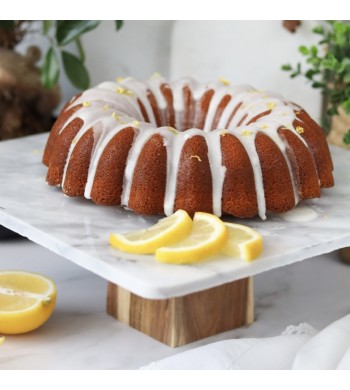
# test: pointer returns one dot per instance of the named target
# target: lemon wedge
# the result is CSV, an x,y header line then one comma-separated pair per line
x,y
207,237
26,301
243,242
167,231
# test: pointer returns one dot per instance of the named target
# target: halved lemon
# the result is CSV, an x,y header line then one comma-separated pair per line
x,y
26,301
207,237
167,231
243,242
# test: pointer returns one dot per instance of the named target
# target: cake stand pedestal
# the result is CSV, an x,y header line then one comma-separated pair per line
x,y
182,320
175,304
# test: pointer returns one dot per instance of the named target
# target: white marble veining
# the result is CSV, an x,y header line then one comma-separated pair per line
x,y
80,335
78,230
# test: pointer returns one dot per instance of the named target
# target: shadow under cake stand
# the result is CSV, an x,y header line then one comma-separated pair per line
x,y
174,304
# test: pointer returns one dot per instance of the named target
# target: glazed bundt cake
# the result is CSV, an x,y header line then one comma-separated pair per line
x,y
155,147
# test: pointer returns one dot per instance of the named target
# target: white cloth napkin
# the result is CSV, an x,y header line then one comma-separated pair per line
x,y
298,347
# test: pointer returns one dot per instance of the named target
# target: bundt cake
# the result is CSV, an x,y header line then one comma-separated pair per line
x,y
155,147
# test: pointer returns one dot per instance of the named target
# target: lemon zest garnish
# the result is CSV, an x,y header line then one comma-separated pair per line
x,y
38,151
105,107
123,91
271,105
115,116
197,157
297,112
74,141
247,133
128,92
172,130
299,129
264,127
224,81
86,104
135,123
119,79
223,133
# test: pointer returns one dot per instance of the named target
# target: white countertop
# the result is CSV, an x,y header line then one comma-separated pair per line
x,y
80,335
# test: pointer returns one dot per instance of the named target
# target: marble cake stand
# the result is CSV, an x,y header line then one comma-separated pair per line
x,y
174,304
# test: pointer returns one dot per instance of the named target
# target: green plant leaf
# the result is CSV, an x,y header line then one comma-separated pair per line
x,y
7,25
286,67
347,78
46,26
332,111
80,50
304,50
310,73
314,51
318,30
329,62
118,24
50,69
346,138
317,84
346,106
339,27
69,30
75,70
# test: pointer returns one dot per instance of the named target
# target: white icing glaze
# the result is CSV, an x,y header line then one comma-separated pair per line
x,y
111,107
300,214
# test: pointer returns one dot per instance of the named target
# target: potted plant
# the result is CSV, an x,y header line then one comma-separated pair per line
x,y
29,93
328,69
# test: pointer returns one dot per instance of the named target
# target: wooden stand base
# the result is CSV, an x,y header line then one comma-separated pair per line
x,y
179,321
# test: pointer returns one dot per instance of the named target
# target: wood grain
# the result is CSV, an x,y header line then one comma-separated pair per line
x,y
182,320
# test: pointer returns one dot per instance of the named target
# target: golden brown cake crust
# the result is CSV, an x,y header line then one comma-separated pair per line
x,y
194,189
108,184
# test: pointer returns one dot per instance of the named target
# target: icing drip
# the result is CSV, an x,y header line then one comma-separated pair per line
x,y
217,169
111,107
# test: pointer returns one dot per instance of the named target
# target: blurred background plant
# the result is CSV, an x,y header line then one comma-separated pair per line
x,y
29,92
59,34
328,69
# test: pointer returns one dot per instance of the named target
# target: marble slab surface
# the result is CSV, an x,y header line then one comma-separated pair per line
x,y
78,230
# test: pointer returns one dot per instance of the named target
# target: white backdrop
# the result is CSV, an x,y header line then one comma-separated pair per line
x,y
245,52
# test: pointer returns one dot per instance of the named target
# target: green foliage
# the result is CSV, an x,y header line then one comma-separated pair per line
x,y
7,25
346,138
68,31
75,70
59,34
328,68
118,24
50,69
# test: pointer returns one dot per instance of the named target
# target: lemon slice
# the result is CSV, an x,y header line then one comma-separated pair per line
x,y
243,242
207,237
26,301
167,231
